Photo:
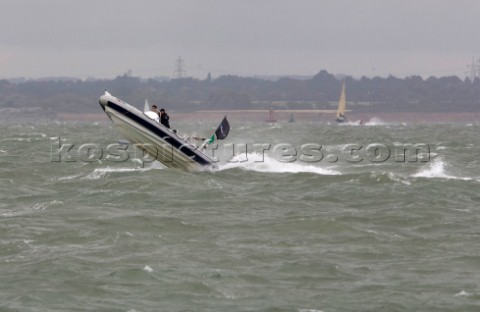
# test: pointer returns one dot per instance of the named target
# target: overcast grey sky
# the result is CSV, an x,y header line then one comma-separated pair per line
x,y
105,38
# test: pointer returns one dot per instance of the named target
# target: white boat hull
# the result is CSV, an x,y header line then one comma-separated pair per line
x,y
159,142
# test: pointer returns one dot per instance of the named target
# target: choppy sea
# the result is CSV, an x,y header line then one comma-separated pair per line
x,y
301,216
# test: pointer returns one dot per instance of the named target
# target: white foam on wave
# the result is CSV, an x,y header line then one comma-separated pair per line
x,y
353,123
38,135
398,178
274,125
17,140
462,293
29,210
264,163
26,137
148,269
375,121
436,169
70,177
102,172
45,205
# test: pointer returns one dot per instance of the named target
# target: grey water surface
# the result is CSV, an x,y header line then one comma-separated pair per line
x,y
321,218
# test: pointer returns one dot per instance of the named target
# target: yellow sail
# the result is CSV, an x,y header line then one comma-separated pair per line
x,y
341,105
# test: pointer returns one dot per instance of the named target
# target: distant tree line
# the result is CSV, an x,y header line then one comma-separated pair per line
x,y
411,94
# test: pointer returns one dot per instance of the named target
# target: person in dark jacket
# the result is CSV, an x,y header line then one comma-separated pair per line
x,y
164,118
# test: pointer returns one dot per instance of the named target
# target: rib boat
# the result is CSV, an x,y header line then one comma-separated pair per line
x,y
143,130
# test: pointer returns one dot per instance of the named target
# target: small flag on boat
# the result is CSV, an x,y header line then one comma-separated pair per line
x,y
212,139
221,132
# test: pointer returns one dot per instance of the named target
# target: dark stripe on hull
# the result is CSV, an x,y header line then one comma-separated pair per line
x,y
178,145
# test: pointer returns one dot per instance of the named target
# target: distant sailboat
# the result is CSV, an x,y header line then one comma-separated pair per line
x,y
271,116
292,118
341,106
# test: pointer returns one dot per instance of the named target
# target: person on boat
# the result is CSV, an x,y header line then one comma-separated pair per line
x,y
164,118
155,116
155,109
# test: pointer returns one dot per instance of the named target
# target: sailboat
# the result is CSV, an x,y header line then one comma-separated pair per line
x,y
292,118
271,116
341,106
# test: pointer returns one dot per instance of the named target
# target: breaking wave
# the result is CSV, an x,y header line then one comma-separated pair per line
x,y
436,169
264,163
